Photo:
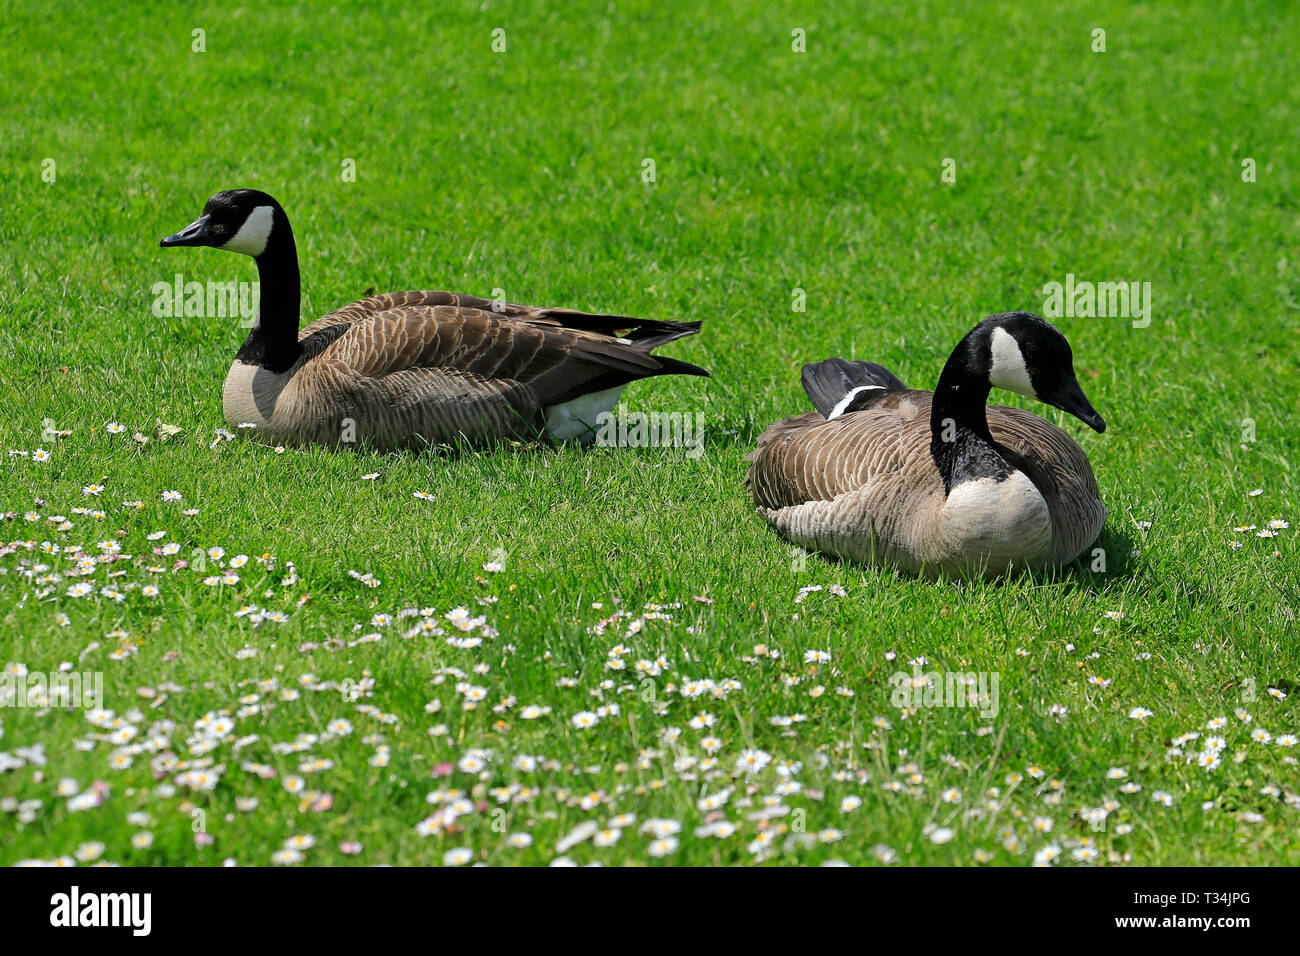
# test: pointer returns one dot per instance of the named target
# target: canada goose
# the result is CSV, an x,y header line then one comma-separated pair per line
x,y
415,367
934,482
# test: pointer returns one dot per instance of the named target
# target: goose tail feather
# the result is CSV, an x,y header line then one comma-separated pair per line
x,y
837,386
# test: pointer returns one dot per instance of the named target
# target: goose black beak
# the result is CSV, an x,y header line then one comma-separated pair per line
x,y
195,234
1070,398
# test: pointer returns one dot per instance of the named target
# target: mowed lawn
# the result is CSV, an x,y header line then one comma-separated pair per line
x,y
657,678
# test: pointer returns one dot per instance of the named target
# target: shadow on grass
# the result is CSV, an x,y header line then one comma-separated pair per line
x,y
1115,547
740,435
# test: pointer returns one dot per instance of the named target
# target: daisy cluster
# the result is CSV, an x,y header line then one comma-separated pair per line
x,y
419,733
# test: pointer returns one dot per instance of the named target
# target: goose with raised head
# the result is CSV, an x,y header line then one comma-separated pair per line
x,y
416,367
936,482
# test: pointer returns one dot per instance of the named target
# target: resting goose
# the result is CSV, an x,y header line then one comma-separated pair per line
x,y
416,367
934,482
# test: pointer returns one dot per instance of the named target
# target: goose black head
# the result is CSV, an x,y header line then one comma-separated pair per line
x,y
237,220
1020,352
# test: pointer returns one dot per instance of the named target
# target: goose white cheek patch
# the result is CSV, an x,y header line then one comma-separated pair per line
x,y
253,234
1007,368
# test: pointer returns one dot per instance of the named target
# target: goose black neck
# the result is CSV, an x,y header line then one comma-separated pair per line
x,y
959,401
273,341
960,442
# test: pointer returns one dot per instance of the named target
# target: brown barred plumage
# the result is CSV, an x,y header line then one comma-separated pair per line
x,y
419,367
863,486
937,482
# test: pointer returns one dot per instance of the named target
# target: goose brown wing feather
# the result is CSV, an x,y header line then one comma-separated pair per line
x,y
643,332
553,358
438,365
809,458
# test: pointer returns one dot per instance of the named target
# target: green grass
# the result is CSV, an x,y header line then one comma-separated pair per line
x,y
775,170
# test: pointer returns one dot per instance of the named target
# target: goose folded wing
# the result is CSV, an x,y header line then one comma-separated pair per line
x,y
808,458
554,361
646,333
